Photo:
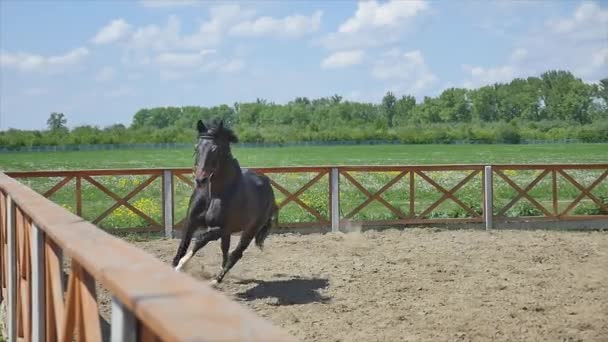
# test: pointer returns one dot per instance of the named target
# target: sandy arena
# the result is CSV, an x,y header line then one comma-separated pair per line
x,y
421,284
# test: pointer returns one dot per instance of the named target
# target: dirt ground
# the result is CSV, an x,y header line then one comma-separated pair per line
x,y
421,284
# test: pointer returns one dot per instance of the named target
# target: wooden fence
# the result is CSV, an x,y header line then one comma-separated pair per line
x,y
333,197
43,246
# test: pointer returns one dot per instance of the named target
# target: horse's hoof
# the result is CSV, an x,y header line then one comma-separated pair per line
x,y
214,283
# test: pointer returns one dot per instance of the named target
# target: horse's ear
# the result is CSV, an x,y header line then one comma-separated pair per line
x,y
201,127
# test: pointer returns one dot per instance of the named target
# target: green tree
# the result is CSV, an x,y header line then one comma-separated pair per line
x,y
454,106
403,110
565,97
389,102
57,122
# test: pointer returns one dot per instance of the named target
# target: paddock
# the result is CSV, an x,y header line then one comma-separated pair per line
x,y
421,284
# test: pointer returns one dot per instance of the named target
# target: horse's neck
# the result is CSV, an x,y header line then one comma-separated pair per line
x,y
229,175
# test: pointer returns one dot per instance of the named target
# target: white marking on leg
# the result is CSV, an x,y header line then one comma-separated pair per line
x,y
184,260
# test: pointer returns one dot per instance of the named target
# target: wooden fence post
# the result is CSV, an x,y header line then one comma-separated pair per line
x,y
38,284
488,198
11,309
124,325
335,199
168,202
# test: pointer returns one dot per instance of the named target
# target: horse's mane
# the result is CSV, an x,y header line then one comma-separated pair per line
x,y
219,132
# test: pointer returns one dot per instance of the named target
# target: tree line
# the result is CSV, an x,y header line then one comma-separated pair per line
x,y
555,105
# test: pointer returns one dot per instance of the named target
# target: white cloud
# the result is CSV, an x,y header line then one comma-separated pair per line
x,y
408,68
155,37
112,32
480,76
375,24
208,34
290,26
31,62
600,57
121,91
371,14
343,59
182,60
232,66
576,42
167,3
105,74
588,22
518,54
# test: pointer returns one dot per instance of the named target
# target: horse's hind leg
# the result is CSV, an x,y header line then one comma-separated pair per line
x,y
236,254
225,244
210,235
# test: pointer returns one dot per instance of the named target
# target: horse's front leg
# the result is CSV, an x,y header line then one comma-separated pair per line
x,y
194,220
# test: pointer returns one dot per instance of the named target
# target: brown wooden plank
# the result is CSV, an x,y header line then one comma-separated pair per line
x,y
117,198
57,186
449,194
79,196
584,191
54,277
3,266
146,335
522,192
125,199
554,193
70,316
50,318
90,311
185,179
412,196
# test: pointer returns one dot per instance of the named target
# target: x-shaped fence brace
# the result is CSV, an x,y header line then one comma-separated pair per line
x,y
525,193
376,196
295,196
522,192
585,191
120,201
447,194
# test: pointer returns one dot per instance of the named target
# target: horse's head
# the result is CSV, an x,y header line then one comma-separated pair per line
x,y
212,150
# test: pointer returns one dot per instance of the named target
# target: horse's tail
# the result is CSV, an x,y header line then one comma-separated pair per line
x,y
263,232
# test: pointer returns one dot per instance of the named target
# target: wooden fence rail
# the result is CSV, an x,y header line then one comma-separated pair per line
x,y
332,197
150,302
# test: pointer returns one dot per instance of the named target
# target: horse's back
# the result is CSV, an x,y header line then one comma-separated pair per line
x,y
258,180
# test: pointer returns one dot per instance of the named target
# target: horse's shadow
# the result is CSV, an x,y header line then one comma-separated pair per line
x,y
287,292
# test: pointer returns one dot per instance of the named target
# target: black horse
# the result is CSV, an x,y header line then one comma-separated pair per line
x,y
226,199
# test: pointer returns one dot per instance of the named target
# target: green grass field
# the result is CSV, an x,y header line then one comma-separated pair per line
x,y
149,200
315,155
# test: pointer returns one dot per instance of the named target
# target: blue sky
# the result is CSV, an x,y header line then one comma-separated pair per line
x,y
101,61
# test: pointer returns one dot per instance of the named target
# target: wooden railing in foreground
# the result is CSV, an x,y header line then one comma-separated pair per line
x,y
150,301
338,196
